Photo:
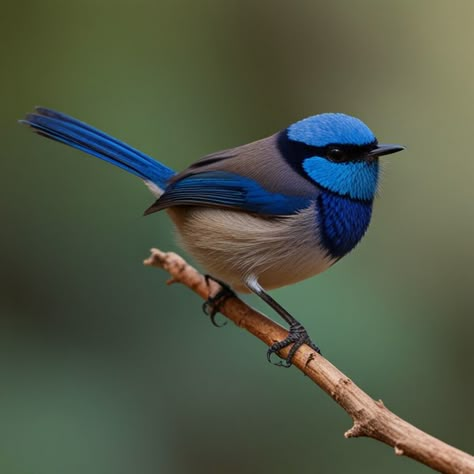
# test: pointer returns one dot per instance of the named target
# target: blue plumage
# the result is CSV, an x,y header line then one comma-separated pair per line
x,y
262,215
342,222
357,180
72,132
224,189
329,129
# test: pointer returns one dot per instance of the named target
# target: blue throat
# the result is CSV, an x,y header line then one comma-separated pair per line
x,y
343,222
344,205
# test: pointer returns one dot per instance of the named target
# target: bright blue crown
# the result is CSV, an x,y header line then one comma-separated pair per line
x,y
326,129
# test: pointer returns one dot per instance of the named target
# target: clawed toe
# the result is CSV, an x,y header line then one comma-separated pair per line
x,y
211,307
213,303
297,336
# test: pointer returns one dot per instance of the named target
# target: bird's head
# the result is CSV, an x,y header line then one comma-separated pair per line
x,y
338,152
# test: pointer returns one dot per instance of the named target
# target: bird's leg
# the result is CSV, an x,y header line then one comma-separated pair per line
x,y
212,304
297,334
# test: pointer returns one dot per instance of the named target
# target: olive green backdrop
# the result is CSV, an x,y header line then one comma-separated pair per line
x,y
104,369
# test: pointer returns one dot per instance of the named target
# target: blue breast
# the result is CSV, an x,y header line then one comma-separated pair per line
x,y
342,222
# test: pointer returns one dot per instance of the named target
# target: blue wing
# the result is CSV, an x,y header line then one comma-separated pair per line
x,y
254,178
229,190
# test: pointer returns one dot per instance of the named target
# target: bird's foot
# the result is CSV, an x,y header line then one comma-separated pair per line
x,y
213,303
297,336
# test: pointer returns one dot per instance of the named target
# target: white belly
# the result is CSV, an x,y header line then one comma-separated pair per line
x,y
233,245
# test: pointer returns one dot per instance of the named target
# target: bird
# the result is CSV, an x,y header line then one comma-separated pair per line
x,y
262,215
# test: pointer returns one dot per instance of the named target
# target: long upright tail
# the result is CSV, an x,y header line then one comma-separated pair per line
x,y
72,132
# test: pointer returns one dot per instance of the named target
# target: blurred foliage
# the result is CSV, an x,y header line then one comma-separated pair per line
x,y
106,370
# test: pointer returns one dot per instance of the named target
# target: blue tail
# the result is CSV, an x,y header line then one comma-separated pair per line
x,y
72,132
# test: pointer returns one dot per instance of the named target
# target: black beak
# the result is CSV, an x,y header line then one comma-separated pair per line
x,y
381,150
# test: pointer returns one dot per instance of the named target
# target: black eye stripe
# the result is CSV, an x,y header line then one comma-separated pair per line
x,y
346,153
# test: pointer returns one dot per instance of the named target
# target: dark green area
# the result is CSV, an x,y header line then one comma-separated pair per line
x,y
103,368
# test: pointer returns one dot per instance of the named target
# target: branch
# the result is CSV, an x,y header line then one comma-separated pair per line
x,y
370,417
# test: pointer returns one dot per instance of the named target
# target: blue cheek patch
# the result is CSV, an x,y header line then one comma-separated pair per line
x,y
357,180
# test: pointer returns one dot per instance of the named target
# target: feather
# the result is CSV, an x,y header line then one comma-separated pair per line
x,y
261,161
230,190
233,245
72,132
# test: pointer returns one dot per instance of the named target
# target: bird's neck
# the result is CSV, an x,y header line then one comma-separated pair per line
x,y
342,222
344,204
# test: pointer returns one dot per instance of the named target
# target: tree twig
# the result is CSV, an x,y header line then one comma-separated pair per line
x,y
370,417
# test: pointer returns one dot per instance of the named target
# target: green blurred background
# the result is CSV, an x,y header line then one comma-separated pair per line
x,y
103,368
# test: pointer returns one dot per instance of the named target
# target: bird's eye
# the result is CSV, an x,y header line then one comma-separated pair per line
x,y
336,154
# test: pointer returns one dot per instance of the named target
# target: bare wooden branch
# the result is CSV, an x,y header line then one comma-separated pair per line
x,y
370,417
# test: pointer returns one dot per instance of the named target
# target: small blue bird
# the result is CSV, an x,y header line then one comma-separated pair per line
x,y
262,215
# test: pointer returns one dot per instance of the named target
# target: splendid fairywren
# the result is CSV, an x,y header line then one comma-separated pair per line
x,y
262,215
